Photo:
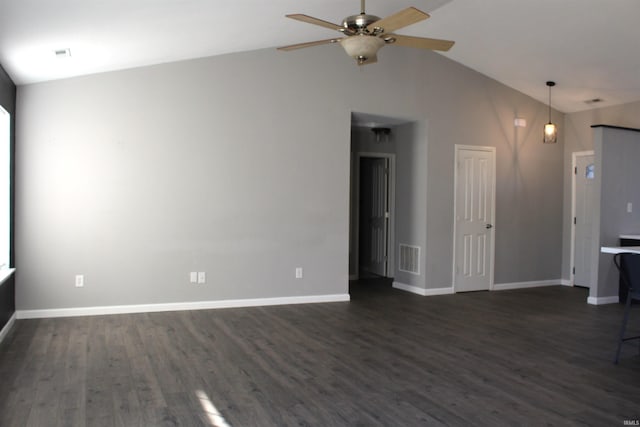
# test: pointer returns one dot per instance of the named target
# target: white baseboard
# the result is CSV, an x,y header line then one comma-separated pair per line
x,y
7,327
603,300
496,287
565,282
523,285
422,291
180,306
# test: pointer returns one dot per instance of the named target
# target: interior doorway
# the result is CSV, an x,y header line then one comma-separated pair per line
x,y
374,248
582,208
372,218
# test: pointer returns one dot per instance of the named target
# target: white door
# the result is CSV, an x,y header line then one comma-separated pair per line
x,y
583,191
474,217
374,214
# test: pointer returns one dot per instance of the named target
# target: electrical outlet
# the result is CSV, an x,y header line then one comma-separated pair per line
x,y
79,280
202,277
193,277
298,272
629,207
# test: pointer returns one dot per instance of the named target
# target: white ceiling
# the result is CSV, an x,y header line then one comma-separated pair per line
x,y
591,48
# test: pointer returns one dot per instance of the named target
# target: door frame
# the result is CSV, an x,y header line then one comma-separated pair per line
x,y
492,150
572,255
391,194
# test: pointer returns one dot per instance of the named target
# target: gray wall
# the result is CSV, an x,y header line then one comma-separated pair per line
x,y
238,165
578,136
411,198
616,152
528,198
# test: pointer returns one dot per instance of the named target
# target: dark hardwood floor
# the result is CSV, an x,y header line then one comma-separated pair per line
x,y
527,357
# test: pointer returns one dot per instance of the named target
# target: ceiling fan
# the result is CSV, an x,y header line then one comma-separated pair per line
x,y
365,34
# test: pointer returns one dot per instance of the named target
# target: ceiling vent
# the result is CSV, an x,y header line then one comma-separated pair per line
x,y
62,53
593,101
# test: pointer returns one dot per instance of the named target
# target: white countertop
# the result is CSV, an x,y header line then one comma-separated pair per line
x,y
620,249
5,273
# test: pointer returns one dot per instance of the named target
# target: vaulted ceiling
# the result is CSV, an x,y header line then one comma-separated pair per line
x,y
589,47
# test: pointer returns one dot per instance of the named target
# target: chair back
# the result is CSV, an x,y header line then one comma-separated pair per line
x,y
628,265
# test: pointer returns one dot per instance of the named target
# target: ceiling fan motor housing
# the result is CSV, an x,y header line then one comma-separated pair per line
x,y
357,24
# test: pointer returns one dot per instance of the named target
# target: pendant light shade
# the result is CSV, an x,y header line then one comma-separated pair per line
x,y
550,133
550,129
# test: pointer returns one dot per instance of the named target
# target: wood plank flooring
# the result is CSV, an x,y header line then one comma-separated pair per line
x,y
526,357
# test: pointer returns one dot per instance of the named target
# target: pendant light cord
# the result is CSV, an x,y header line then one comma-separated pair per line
x,y
550,84
549,103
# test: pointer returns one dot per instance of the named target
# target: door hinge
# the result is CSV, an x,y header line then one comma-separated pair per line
x,y
575,220
574,271
575,170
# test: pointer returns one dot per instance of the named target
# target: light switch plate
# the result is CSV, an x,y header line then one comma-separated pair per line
x,y
202,277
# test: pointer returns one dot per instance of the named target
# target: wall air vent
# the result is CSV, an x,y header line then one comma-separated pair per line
x,y
409,259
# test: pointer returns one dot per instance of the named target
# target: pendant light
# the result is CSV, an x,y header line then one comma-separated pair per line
x,y
550,129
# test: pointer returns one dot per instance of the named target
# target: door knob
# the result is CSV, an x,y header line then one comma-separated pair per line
x,y
488,226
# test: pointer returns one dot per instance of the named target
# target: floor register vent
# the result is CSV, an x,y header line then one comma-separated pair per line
x,y
409,259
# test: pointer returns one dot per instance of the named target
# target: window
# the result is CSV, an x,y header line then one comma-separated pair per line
x,y
5,187
590,172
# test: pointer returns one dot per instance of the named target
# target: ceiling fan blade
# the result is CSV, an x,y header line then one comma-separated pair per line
x,y
315,21
401,19
420,42
309,44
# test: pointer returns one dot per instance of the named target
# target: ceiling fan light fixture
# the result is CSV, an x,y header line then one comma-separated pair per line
x,y
362,47
550,129
381,133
